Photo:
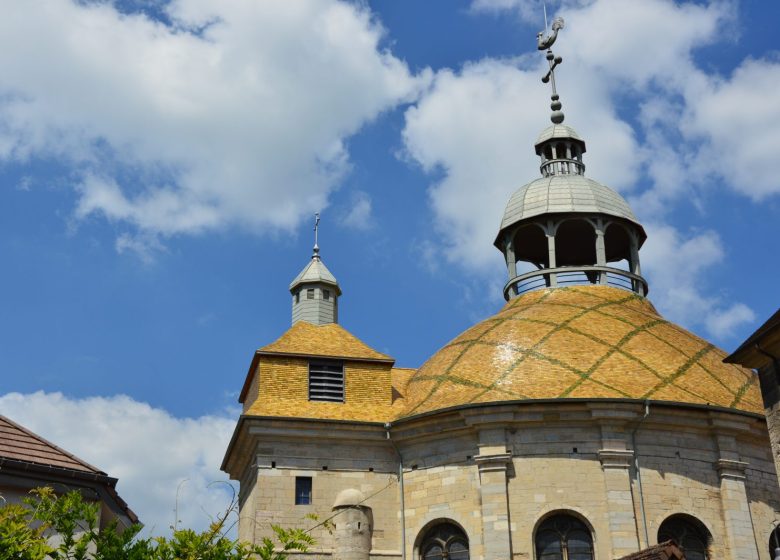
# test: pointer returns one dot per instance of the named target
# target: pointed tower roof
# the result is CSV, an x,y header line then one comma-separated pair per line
x,y
315,272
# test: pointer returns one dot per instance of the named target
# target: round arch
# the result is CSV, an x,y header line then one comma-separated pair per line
x,y
563,534
575,242
442,539
690,534
774,541
530,243
617,241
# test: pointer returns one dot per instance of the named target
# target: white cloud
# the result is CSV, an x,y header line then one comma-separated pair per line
x,y
676,267
359,216
611,37
723,323
235,115
738,119
146,448
144,245
529,10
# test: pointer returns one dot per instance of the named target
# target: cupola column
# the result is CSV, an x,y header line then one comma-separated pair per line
x,y
511,261
601,250
552,279
633,264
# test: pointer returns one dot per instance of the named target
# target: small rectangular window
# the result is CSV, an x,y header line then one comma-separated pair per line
x,y
297,297
310,293
325,294
302,490
326,381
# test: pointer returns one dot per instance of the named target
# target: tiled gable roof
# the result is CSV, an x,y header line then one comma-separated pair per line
x,y
331,340
20,444
663,551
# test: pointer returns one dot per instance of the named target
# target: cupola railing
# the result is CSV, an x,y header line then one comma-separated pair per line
x,y
563,276
562,167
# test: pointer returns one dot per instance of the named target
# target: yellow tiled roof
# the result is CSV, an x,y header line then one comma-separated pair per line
x,y
331,340
579,342
370,391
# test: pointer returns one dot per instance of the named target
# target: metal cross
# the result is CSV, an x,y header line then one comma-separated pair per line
x,y
544,43
316,232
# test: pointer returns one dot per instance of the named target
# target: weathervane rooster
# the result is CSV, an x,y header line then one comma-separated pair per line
x,y
544,43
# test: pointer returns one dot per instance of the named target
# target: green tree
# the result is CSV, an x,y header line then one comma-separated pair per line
x,y
24,529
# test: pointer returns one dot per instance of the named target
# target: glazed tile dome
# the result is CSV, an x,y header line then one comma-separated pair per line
x,y
581,342
562,194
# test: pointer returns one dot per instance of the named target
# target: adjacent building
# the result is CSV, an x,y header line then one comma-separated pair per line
x,y
28,461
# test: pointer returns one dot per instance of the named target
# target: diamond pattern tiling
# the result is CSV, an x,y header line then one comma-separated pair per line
x,y
579,342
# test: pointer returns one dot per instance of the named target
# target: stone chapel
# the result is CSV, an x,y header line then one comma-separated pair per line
x,y
575,424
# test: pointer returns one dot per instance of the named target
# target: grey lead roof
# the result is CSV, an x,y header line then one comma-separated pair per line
x,y
558,131
315,271
560,194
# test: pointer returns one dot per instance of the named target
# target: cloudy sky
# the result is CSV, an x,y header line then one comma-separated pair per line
x,y
161,160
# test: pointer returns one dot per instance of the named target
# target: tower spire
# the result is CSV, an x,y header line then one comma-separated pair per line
x,y
545,43
315,290
316,254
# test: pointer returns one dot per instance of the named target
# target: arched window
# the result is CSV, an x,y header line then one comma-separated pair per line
x,y
774,542
445,541
563,537
689,533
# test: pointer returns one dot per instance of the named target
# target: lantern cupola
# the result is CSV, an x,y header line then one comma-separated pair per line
x,y
567,228
315,291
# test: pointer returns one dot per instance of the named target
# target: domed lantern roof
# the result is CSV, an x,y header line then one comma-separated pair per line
x,y
565,194
558,131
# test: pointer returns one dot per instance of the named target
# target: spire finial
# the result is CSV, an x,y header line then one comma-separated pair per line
x,y
544,43
316,254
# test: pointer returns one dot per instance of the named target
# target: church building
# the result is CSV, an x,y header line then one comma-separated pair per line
x,y
574,424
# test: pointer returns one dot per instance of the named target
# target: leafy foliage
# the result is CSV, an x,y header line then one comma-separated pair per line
x,y
26,530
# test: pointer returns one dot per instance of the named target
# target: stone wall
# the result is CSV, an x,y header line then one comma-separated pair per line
x,y
497,472
334,466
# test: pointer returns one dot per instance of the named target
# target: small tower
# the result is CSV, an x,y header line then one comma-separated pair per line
x,y
568,226
353,522
315,291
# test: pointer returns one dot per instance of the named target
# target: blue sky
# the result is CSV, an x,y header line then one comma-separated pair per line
x,y
161,163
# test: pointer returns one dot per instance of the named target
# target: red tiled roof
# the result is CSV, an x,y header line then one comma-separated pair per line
x,y
20,444
664,551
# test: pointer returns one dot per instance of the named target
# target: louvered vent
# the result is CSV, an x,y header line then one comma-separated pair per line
x,y
326,381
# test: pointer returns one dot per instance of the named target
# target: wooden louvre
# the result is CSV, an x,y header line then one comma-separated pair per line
x,y
326,381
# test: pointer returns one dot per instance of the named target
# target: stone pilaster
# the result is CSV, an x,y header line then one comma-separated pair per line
x,y
616,460
734,501
493,461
